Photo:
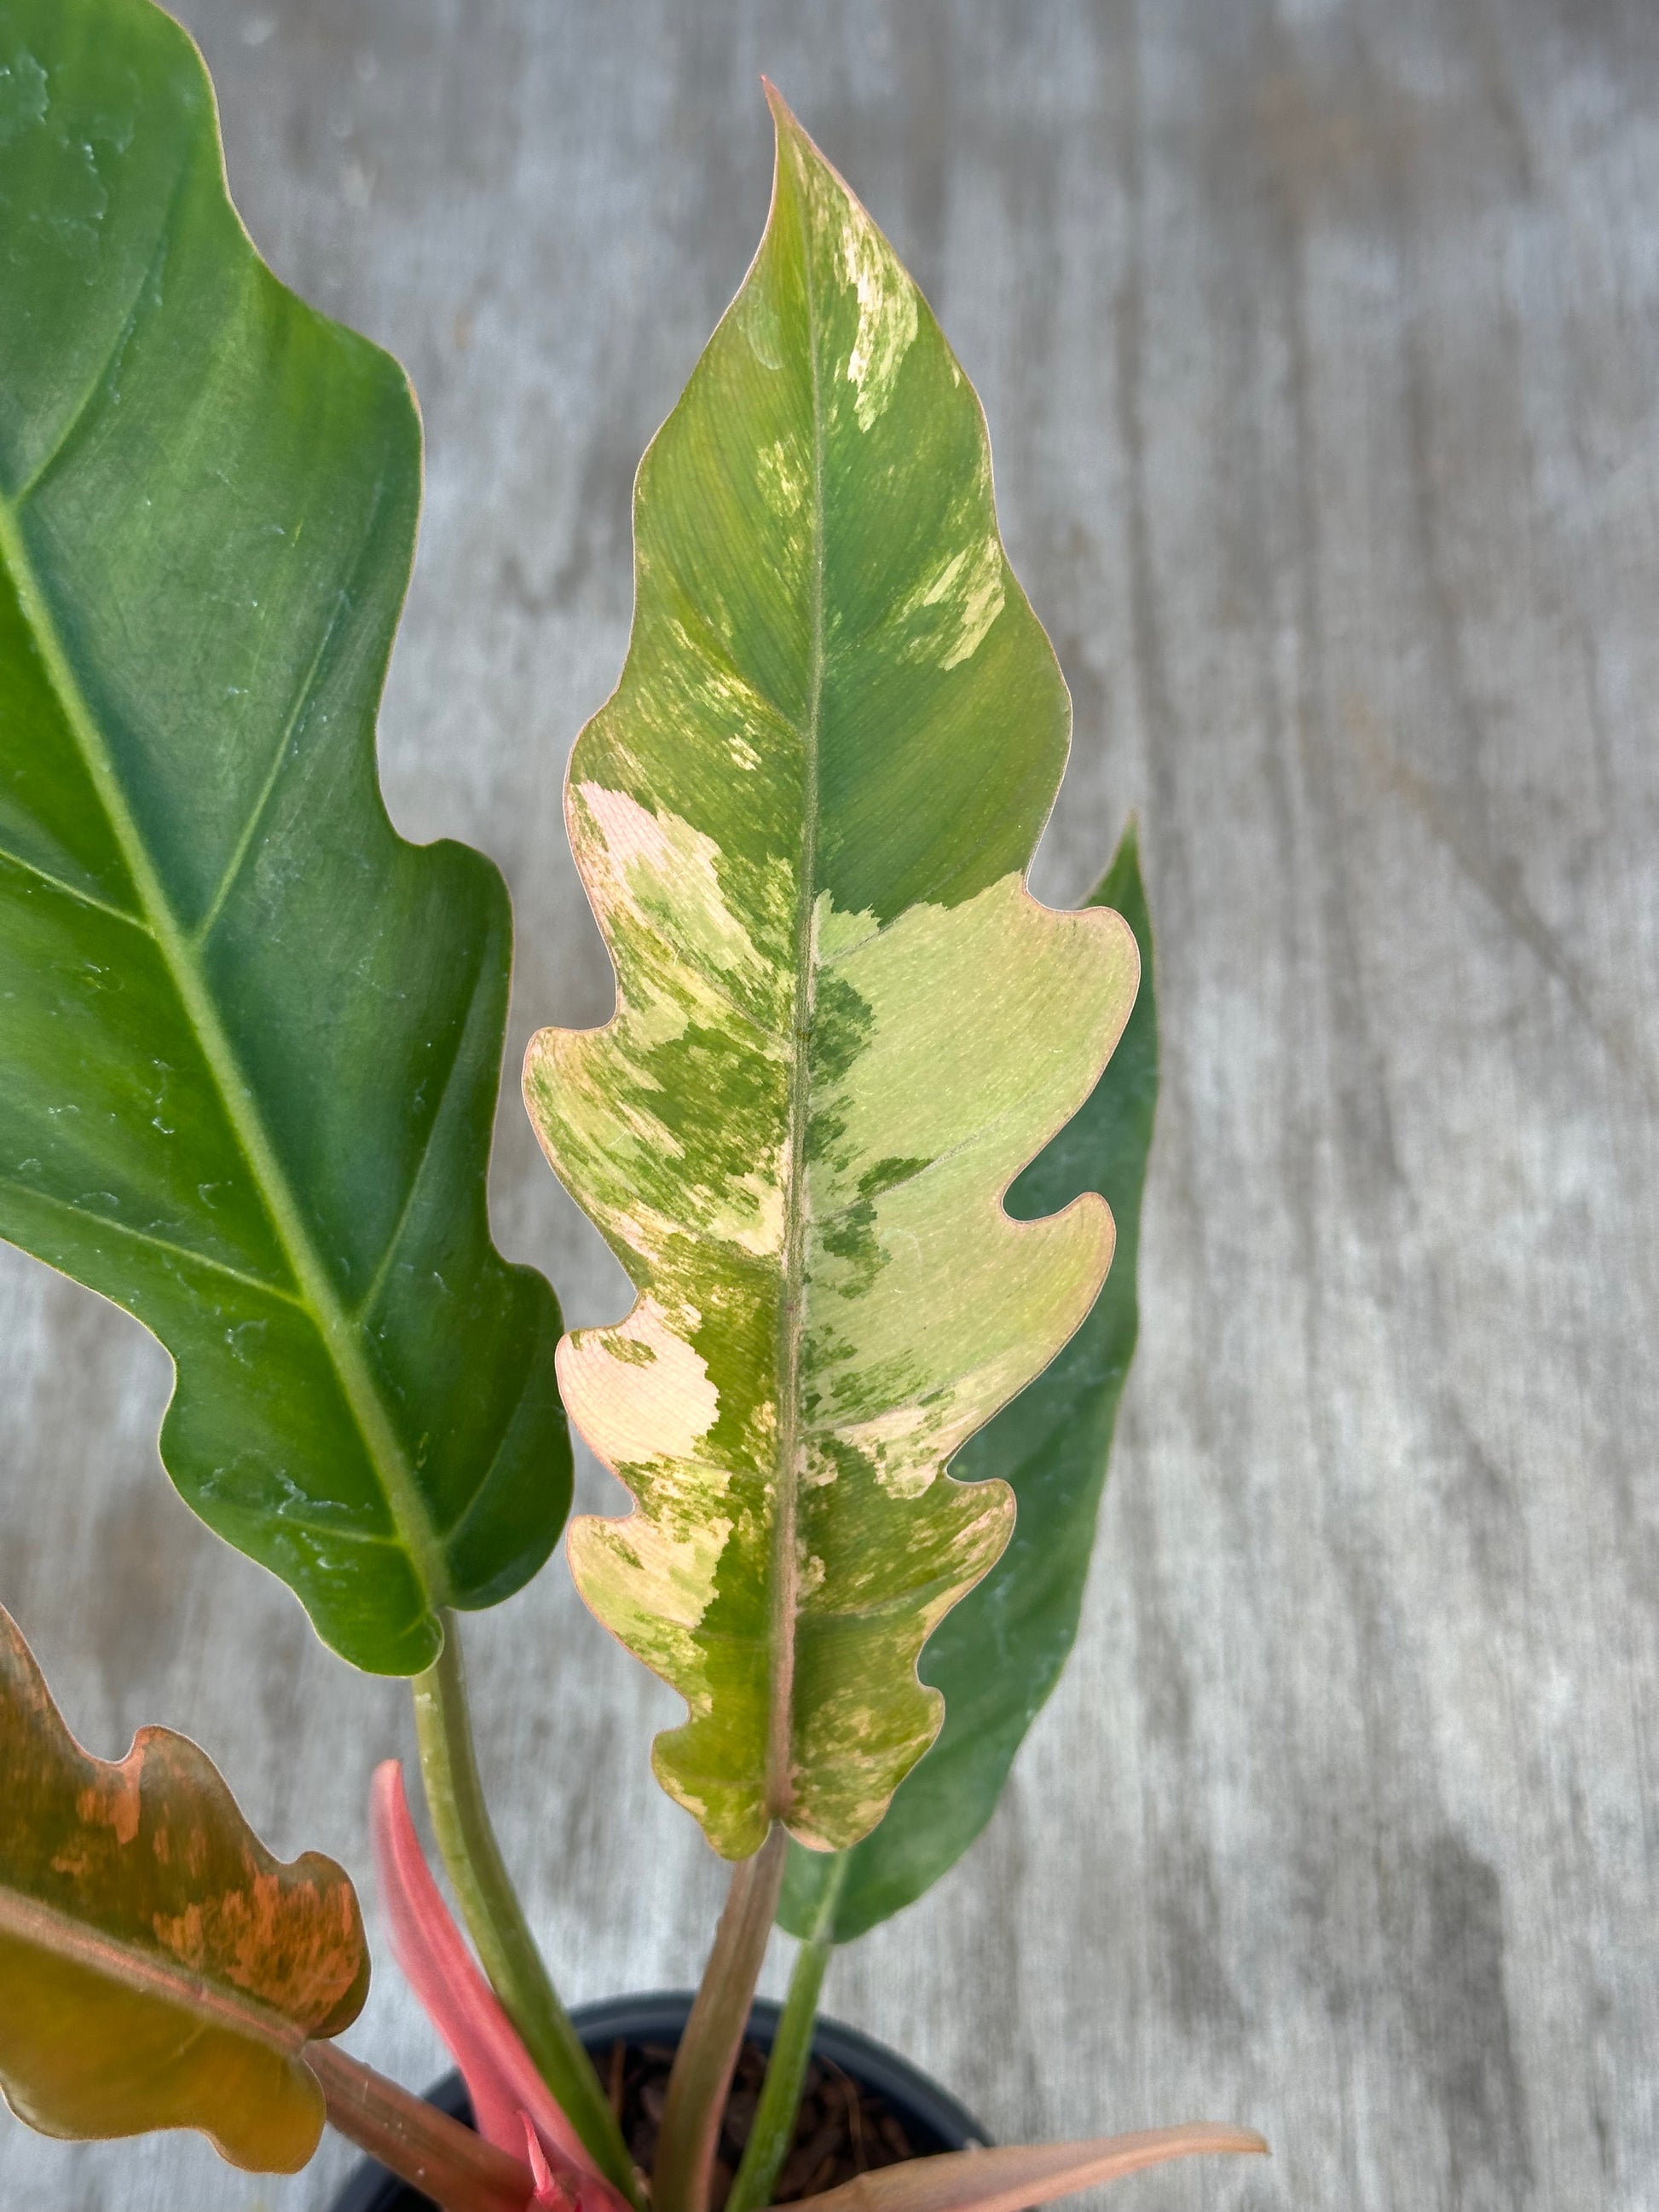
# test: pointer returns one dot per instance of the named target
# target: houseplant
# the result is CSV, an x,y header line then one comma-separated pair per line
x,y
252,1052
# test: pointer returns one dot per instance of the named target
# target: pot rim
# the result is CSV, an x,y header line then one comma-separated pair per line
x,y
652,2015
662,2012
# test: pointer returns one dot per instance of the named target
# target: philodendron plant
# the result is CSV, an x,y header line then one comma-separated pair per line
x,y
852,1132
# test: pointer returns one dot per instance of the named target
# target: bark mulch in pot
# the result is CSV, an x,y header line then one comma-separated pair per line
x,y
843,2129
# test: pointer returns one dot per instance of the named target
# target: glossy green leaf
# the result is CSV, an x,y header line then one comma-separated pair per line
x,y
160,1968
998,1655
252,1037
843,1025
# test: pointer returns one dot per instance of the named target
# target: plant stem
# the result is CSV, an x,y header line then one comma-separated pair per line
x,y
490,1907
774,2128
702,2072
421,2145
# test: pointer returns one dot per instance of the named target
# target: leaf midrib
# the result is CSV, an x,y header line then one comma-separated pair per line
x,y
786,1572
362,1394
25,1919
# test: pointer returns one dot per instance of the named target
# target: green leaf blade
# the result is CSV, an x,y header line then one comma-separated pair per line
x,y
254,1040
996,1658
161,1969
843,1026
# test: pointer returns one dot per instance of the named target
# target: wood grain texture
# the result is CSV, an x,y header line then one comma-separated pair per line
x,y
1317,345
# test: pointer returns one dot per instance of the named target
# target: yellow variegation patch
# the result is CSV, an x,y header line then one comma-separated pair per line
x,y
843,1024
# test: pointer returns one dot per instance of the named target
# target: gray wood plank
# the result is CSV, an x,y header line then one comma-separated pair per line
x,y
1317,343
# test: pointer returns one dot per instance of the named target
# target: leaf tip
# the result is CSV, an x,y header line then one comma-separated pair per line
x,y
784,121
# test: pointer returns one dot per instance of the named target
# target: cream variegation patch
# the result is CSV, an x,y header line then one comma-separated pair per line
x,y
981,601
666,875
834,932
661,1567
638,1391
785,475
969,585
887,316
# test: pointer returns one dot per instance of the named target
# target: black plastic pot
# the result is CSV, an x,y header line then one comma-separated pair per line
x,y
933,2120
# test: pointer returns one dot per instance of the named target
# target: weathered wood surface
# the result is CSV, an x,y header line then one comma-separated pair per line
x,y
1319,347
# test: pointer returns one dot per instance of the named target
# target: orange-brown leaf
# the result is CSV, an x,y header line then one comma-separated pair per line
x,y
1015,2175
161,1969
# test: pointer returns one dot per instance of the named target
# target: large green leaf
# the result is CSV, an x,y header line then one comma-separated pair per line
x,y
843,1024
998,1655
161,1969
251,1038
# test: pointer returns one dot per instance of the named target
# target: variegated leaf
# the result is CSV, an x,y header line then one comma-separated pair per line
x,y
158,1967
843,1024
1000,1654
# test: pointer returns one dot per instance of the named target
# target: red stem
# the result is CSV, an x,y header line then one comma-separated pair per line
x,y
707,2053
421,2145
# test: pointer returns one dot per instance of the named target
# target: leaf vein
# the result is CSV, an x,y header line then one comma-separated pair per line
x,y
9,859
205,928
785,1573
359,1388
147,1237
82,411
377,1284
